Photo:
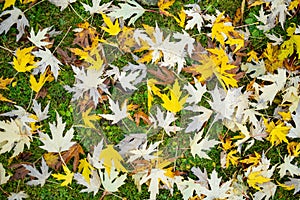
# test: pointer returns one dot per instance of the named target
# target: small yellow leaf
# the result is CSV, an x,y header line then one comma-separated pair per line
x,y
67,177
227,144
110,156
8,3
286,116
252,56
293,149
37,86
164,5
2,98
5,82
181,19
230,158
24,60
111,29
253,160
88,118
286,187
86,168
255,178
174,103
294,4
277,133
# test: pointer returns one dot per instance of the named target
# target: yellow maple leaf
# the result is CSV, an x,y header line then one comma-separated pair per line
x,y
152,90
239,42
2,98
286,187
111,29
222,67
255,178
230,158
252,56
253,160
37,86
5,82
8,3
109,156
24,60
271,53
293,149
86,168
181,19
67,177
164,5
277,132
294,4
88,118
289,46
219,28
286,116
227,144
174,103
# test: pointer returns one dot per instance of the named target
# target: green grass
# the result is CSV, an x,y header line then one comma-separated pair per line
x,y
46,15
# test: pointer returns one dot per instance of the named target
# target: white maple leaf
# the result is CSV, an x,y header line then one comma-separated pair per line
x,y
291,95
87,81
37,39
37,108
295,130
17,196
96,8
255,69
131,142
294,182
61,3
130,9
277,40
164,122
16,17
188,187
287,166
119,114
279,8
127,80
198,120
195,93
141,68
269,91
216,191
92,186
144,152
13,136
58,143
155,176
3,178
41,177
111,182
196,17
201,144
48,59
268,191
95,158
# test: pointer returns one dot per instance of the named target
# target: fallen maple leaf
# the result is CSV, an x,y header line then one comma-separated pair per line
x,y
111,29
67,177
111,158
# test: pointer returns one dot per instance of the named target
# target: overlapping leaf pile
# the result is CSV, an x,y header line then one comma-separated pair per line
x,y
190,87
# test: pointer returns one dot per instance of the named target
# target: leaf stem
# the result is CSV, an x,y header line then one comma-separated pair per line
x,y
62,39
33,6
7,49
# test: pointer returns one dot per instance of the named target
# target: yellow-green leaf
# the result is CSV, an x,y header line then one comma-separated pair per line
x,y
67,177
88,118
37,86
255,178
109,156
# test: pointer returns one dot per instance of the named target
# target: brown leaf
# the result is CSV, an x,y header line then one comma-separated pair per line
x,y
42,93
20,171
86,36
141,115
66,59
54,161
164,75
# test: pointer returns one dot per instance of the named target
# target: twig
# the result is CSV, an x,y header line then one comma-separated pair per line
x,y
76,12
62,39
6,193
7,49
33,6
246,25
31,95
